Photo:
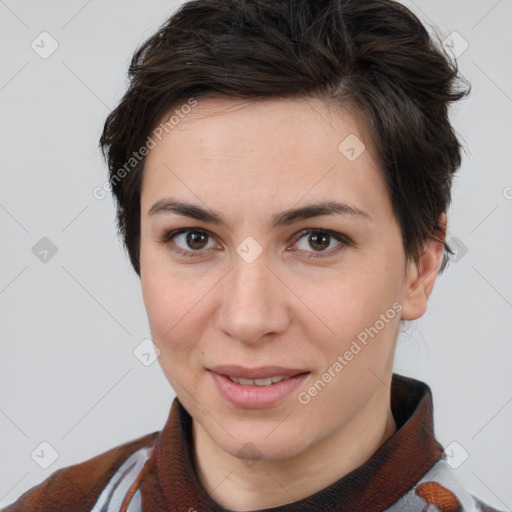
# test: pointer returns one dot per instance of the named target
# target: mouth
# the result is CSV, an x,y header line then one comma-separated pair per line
x,y
254,388
258,373
257,382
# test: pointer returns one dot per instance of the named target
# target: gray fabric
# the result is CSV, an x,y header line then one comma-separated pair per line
x,y
442,473
113,494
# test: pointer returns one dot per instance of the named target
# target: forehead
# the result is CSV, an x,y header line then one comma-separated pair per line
x,y
275,148
273,122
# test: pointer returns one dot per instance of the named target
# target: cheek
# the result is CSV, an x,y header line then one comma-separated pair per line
x,y
348,298
177,310
166,295
344,306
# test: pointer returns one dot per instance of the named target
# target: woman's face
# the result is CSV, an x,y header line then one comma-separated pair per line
x,y
248,288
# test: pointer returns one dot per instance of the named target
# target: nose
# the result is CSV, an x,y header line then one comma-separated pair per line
x,y
253,305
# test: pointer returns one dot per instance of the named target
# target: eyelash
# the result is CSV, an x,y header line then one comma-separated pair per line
x,y
342,239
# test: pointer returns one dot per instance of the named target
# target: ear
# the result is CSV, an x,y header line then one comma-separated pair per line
x,y
420,277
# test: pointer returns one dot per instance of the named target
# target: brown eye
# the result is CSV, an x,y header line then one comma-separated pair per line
x,y
196,240
190,242
319,240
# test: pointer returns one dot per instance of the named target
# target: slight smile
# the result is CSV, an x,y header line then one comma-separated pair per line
x,y
256,388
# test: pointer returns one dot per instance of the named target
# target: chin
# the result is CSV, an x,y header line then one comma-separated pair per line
x,y
255,450
257,444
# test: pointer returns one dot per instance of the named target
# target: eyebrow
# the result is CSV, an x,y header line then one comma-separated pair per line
x,y
284,218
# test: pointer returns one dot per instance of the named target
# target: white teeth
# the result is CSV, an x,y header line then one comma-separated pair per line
x,y
263,382
258,382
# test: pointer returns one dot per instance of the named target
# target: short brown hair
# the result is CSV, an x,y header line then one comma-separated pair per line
x,y
374,55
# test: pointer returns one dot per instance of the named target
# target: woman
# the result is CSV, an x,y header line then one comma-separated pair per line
x,y
282,172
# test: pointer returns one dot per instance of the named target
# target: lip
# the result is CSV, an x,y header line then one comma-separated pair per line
x,y
261,372
257,397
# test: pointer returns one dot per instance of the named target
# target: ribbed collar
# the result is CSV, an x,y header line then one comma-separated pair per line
x,y
375,485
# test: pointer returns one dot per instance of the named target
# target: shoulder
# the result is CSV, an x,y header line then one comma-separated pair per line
x,y
76,488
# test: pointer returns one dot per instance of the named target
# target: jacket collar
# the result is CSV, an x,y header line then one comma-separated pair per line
x,y
393,469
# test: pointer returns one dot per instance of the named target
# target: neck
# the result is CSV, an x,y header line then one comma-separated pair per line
x,y
238,487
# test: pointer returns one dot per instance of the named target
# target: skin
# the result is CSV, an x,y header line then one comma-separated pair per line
x,y
246,161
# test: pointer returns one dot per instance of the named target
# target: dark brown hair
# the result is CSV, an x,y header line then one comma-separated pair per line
x,y
374,55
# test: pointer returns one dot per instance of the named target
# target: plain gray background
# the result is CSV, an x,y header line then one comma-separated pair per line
x,y
70,324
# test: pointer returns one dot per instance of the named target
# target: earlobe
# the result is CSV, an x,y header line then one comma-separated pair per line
x,y
421,276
